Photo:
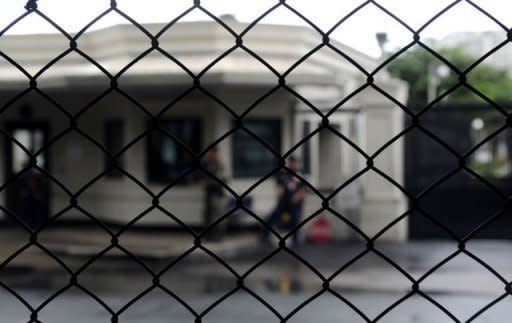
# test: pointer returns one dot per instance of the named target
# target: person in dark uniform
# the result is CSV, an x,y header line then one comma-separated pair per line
x,y
214,202
33,197
290,196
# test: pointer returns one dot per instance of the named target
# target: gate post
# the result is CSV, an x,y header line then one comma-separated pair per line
x,y
382,202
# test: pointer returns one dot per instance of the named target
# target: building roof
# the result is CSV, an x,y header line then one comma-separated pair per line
x,y
195,45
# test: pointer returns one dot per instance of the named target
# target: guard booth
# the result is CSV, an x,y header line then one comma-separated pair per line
x,y
280,117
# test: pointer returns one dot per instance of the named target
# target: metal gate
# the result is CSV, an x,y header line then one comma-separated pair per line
x,y
464,198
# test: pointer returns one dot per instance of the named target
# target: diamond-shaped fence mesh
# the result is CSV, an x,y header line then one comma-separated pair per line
x,y
197,79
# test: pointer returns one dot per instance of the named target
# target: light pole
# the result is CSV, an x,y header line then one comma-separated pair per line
x,y
382,40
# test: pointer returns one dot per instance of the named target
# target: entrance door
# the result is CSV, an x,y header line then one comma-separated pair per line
x,y
27,196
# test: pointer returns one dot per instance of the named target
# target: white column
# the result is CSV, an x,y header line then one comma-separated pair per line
x,y
383,203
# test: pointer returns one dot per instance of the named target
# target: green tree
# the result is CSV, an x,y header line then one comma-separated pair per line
x,y
413,66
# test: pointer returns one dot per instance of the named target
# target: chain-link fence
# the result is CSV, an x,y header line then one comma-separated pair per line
x,y
241,125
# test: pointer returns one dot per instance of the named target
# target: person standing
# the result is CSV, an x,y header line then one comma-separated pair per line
x,y
290,195
214,202
33,197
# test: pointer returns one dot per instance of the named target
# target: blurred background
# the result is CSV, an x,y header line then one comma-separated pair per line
x,y
143,147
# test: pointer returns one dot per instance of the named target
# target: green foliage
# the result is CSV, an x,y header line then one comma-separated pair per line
x,y
412,67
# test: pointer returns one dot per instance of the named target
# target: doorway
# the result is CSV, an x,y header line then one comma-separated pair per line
x,y
27,196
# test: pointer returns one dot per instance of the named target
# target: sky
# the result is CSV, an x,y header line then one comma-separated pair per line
x,y
357,31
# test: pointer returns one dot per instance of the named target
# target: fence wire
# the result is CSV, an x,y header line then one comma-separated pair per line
x,y
238,43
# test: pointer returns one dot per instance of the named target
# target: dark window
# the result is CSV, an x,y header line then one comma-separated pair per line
x,y
166,158
114,142
250,157
306,148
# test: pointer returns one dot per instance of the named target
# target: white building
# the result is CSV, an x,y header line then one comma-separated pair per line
x,y
282,119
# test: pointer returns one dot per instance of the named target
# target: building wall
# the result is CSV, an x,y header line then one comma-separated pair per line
x,y
383,202
74,160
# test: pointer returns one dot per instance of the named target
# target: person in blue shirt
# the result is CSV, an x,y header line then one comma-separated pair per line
x,y
291,192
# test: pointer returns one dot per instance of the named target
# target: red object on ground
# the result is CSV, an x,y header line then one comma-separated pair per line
x,y
320,230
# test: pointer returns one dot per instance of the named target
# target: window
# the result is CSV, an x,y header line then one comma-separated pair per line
x,y
166,158
114,142
250,157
